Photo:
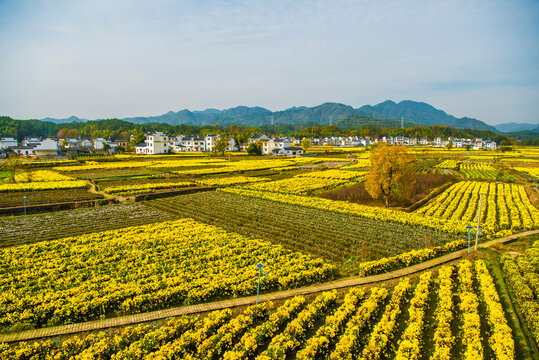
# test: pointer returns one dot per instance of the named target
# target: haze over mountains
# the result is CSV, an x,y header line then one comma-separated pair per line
x,y
417,113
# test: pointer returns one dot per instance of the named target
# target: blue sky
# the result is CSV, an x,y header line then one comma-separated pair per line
x,y
102,59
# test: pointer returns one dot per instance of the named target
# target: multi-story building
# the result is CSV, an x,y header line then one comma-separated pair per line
x,y
155,143
269,145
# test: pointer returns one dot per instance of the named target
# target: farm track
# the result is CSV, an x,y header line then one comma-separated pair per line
x,y
200,308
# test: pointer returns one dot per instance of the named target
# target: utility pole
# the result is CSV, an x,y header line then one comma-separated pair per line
x,y
478,220
402,122
330,120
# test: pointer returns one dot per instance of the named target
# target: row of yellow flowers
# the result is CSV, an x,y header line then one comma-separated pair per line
x,y
523,290
504,206
469,313
184,346
469,165
231,180
409,258
384,330
501,337
298,185
147,187
318,346
332,174
411,341
348,346
45,185
443,336
41,176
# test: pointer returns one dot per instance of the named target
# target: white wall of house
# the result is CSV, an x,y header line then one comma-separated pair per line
x,y
8,142
47,147
157,143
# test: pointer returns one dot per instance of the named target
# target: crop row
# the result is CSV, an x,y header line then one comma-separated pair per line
x,y
365,325
448,164
332,174
147,187
45,185
41,176
299,185
231,180
523,276
139,269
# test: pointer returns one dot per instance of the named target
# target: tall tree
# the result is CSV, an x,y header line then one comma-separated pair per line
x,y
391,174
221,145
305,144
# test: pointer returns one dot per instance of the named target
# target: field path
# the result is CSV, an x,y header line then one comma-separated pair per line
x,y
93,189
218,305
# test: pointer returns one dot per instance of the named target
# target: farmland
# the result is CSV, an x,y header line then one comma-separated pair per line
x,y
506,206
334,236
61,281
453,312
51,226
116,260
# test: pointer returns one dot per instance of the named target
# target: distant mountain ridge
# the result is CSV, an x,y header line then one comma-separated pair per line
x,y
512,127
417,113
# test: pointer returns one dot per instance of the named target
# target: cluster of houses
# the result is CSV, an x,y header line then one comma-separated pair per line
x,y
161,143
353,141
52,147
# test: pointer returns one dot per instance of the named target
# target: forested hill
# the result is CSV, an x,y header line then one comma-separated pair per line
x,y
120,129
416,113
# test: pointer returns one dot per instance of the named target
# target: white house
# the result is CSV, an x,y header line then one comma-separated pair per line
x,y
31,141
271,144
256,138
99,143
193,143
8,142
288,151
211,140
47,147
24,150
155,143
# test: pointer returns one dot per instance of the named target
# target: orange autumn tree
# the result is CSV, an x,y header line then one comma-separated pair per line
x,y
391,174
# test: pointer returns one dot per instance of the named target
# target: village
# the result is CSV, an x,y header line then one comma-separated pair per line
x,y
161,143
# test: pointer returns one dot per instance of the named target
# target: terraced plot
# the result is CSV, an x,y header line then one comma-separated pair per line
x,y
333,236
50,226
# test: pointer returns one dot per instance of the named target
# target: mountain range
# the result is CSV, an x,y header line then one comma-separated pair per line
x,y
411,112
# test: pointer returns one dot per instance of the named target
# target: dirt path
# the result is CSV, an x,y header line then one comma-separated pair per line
x,y
218,305
93,189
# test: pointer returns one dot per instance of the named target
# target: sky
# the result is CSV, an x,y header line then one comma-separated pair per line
x,y
121,58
